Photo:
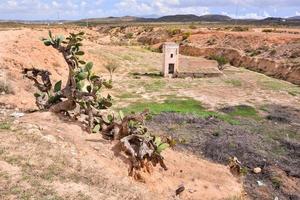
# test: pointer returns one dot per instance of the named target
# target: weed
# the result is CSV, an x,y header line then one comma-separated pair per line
x,y
128,95
5,87
173,32
5,125
267,30
244,111
154,86
186,36
129,35
276,182
239,29
234,82
193,26
220,59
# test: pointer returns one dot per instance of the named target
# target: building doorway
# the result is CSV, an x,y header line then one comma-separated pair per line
x,y
171,68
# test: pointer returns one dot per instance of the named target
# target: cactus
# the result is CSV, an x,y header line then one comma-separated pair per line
x,y
81,96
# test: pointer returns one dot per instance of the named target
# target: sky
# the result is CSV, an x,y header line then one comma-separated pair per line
x,y
79,9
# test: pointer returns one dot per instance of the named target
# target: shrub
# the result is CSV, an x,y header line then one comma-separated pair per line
x,y
193,26
220,59
5,87
173,32
186,36
240,29
267,30
129,35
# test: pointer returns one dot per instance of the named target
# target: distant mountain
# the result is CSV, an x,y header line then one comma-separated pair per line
x,y
113,19
215,18
178,18
294,18
274,19
191,18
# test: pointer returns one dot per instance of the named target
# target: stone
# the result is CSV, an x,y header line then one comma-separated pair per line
x,y
17,114
257,170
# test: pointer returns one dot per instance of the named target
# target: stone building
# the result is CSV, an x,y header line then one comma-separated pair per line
x,y
171,59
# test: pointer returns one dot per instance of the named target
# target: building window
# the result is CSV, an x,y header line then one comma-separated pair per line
x,y
172,55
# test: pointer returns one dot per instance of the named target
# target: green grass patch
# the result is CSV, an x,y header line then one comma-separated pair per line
x,y
234,82
244,111
182,106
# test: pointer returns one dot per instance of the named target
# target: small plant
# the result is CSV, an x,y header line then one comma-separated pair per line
x,y
5,125
173,32
239,29
222,61
129,35
111,67
273,52
211,41
5,87
193,26
186,36
267,30
276,182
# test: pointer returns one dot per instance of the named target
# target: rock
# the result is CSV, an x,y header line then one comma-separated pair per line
x,y
257,170
180,189
50,139
260,183
17,114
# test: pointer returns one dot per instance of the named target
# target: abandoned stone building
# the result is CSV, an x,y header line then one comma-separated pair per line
x,y
176,66
171,59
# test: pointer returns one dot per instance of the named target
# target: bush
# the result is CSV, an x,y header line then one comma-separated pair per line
x,y
129,35
5,87
186,36
173,32
240,29
220,59
267,30
192,26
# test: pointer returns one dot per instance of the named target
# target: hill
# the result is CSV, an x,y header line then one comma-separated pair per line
x,y
294,18
189,18
215,18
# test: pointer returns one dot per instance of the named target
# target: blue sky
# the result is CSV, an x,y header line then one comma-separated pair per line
x,y
78,9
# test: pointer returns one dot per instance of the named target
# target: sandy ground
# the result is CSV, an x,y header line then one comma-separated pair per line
x,y
201,179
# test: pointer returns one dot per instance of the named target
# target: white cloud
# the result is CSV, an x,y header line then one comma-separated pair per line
x,y
298,13
159,7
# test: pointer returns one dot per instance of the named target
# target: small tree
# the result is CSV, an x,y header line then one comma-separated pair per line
x,y
111,67
222,61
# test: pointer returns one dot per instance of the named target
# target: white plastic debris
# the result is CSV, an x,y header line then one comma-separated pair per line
x,y
17,114
260,183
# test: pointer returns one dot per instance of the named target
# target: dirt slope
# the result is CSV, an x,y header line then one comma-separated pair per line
x,y
67,162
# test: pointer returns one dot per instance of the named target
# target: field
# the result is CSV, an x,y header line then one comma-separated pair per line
x,y
251,111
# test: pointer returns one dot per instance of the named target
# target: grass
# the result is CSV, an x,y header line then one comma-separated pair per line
x,y
182,106
244,111
5,125
155,86
234,82
128,95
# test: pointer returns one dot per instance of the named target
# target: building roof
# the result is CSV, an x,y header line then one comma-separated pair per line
x,y
171,44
